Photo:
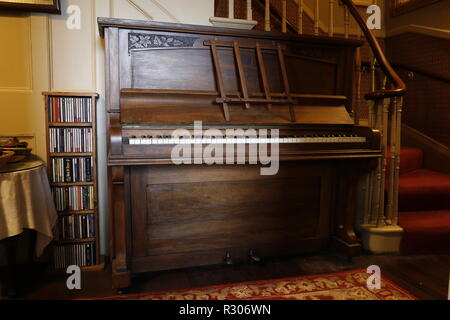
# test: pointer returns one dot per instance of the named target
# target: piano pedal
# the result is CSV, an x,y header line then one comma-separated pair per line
x,y
253,257
227,259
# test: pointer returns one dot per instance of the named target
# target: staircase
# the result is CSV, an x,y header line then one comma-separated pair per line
x,y
419,196
423,205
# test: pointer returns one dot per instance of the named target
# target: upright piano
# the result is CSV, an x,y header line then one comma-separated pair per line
x,y
172,86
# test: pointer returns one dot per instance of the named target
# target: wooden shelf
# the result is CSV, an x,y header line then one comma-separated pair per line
x,y
75,241
49,100
74,213
71,154
96,267
71,184
70,124
74,94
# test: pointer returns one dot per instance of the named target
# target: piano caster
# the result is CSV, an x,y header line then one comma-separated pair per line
x,y
227,259
122,291
253,257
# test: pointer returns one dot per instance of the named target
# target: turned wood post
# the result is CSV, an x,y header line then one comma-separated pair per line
x,y
331,19
231,9
267,16
377,175
300,16
392,158
357,108
398,130
316,18
384,131
346,22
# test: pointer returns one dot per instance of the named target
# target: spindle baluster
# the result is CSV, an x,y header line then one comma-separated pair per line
x,y
300,16
398,128
316,18
346,22
267,16
249,10
231,9
331,19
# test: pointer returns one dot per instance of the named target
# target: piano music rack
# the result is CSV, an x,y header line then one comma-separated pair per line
x,y
51,99
246,99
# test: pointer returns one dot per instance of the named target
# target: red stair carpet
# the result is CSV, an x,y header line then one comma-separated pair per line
x,y
349,285
424,206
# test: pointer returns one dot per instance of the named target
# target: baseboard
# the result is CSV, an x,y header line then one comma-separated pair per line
x,y
381,240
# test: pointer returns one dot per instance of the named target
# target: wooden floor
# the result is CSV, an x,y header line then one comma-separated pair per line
x,y
426,277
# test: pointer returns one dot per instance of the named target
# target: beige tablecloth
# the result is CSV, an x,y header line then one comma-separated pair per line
x,y
26,203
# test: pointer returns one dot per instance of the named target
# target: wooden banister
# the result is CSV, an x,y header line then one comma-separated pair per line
x,y
400,87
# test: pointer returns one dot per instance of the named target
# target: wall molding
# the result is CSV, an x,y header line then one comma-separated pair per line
x,y
167,12
415,28
50,53
141,10
17,89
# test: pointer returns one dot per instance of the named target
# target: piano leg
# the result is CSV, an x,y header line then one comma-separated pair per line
x,y
345,239
121,276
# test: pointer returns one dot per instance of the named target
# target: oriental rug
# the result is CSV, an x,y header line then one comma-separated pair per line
x,y
348,285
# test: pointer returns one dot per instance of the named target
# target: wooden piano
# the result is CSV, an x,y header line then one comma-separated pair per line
x,y
164,77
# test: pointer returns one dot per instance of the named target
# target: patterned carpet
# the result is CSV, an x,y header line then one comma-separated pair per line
x,y
349,285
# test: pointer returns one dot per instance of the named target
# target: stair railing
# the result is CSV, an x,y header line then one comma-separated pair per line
x,y
385,107
385,102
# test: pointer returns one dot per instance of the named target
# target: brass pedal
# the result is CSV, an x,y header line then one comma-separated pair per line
x,y
228,259
253,257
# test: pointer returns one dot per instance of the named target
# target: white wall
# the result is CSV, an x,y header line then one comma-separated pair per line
x,y
45,55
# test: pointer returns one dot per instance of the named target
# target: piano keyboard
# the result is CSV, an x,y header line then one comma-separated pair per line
x,y
167,140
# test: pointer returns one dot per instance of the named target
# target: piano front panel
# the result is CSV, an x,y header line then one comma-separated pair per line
x,y
181,214
174,68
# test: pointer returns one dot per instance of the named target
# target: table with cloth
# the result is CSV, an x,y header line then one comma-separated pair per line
x,y
26,203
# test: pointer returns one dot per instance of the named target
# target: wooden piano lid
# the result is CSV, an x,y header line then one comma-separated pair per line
x,y
143,106
104,23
